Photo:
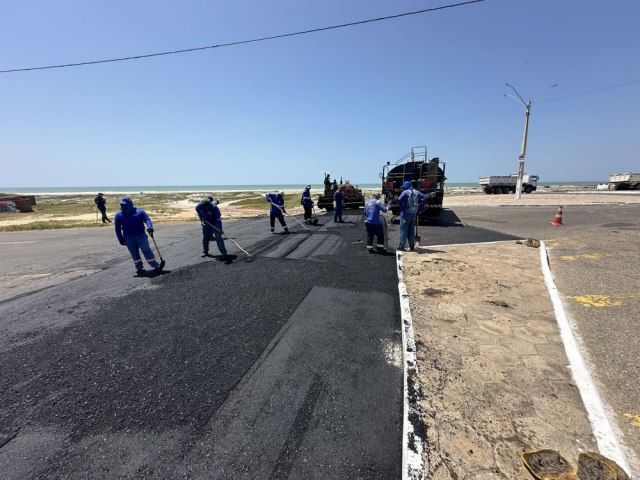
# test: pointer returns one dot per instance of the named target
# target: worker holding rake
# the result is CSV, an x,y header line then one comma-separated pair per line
x,y
211,221
130,223
276,199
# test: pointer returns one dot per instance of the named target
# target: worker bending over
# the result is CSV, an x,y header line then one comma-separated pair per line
x,y
277,210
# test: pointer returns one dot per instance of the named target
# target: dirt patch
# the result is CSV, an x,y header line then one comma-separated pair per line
x,y
491,366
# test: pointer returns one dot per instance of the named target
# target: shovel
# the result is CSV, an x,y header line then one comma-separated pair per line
x,y
162,262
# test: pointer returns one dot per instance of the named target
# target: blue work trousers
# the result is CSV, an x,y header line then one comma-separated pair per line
x,y
135,243
209,233
337,214
408,231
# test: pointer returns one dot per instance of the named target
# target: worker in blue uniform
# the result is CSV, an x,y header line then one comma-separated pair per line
x,y
101,203
307,203
373,224
130,223
211,221
338,203
410,202
277,210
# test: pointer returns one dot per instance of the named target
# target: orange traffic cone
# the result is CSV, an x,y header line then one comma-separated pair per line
x,y
557,220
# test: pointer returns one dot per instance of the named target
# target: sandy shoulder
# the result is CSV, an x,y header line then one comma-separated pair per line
x,y
491,364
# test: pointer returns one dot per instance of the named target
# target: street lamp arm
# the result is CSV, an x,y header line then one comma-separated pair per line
x,y
517,100
516,92
545,91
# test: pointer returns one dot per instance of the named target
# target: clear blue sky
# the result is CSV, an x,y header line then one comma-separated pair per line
x,y
346,100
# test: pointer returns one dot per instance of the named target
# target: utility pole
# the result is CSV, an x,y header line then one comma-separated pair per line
x,y
523,149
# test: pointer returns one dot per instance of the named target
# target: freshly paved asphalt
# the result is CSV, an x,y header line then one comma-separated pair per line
x,y
287,366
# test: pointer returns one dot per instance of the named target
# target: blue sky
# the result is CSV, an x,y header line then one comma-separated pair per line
x,y
346,100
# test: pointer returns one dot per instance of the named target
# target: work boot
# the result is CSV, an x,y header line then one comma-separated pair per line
x,y
272,231
205,253
286,230
140,271
370,250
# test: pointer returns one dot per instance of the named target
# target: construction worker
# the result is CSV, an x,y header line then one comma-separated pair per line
x,y
101,203
373,224
338,203
130,223
211,221
277,210
410,201
307,203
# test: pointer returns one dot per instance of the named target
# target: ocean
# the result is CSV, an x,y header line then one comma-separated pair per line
x,y
113,190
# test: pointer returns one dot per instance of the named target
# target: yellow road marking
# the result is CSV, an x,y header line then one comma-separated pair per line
x,y
584,256
635,419
598,300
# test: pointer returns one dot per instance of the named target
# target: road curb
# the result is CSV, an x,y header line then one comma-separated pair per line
x,y
412,442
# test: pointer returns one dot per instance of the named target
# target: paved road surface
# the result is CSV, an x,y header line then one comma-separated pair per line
x,y
285,366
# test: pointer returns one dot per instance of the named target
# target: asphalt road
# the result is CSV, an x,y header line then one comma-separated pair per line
x,y
287,366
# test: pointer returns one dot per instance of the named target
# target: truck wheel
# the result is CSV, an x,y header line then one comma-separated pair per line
x,y
637,187
528,189
497,190
506,190
488,190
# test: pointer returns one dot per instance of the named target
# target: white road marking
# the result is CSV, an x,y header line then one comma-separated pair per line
x,y
18,243
602,427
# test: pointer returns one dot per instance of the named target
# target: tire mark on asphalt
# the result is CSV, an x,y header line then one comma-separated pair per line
x,y
298,430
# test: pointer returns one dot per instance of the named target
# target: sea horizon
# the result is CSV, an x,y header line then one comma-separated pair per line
x,y
118,189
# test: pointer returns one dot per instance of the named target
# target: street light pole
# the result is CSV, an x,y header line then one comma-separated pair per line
x,y
523,149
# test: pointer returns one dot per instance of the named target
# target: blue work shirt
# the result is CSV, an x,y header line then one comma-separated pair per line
x,y
275,199
372,211
131,221
210,214
409,206
305,199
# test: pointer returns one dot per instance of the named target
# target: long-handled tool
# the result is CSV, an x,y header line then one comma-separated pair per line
x,y
417,236
226,237
287,213
162,262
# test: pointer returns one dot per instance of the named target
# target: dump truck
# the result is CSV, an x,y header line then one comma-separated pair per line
x,y
624,181
507,183
426,176
353,196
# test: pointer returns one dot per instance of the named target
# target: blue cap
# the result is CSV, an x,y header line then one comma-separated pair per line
x,y
126,201
406,185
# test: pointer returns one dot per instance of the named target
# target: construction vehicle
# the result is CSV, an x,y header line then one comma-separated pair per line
x,y
353,196
426,176
507,183
624,181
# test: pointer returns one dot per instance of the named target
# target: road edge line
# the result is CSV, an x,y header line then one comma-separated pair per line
x,y
412,443
601,426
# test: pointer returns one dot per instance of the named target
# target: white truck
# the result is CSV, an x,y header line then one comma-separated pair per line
x,y
624,181
507,183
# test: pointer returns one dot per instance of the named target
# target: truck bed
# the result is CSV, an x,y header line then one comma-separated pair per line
x,y
624,177
498,180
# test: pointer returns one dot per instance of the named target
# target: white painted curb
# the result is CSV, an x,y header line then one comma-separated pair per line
x,y
412,448
606,438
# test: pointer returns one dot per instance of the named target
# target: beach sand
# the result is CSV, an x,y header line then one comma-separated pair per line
x,y
167,208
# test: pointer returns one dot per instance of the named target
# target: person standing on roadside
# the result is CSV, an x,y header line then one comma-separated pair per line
x,y
130,223
373,224
277,210
101,203
211,221
409,201
307,203
338,200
